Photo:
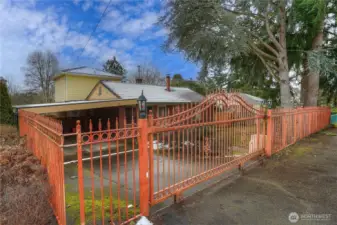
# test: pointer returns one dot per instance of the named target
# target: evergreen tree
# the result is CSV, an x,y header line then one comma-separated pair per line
x,y
270,37
113,66
197,86
6,112
213,32
177,77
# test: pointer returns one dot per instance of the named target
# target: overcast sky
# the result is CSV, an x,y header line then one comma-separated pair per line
x,y
128,31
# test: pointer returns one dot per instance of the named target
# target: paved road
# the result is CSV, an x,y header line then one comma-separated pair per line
x,y
301,179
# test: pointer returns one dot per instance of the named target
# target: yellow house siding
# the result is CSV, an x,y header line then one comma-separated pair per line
x,y
101,93
60,89
69,87
79,87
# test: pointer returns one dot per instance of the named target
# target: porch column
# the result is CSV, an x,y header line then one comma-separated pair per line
x,y
121,116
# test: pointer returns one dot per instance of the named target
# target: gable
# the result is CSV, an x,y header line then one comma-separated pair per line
x,y
100,92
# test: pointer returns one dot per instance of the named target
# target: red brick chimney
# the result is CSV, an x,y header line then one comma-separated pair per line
x,y
168,83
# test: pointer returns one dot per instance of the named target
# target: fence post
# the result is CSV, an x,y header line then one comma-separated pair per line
x,y
80,172
269,133
143,167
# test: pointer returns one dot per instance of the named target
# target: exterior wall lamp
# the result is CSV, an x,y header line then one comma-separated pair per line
x,y
142,106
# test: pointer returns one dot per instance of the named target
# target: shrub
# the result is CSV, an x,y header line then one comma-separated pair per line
x,y
333,110
6,111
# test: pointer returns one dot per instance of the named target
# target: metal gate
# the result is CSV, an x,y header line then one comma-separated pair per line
x,y
197,142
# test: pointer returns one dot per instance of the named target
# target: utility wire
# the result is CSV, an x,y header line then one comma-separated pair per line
x,y
94,30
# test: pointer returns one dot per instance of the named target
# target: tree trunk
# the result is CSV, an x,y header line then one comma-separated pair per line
x,y
304,81
283,61
285,89
313,89
313,76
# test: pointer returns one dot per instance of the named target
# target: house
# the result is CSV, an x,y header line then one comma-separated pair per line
x,y
85,93
76,83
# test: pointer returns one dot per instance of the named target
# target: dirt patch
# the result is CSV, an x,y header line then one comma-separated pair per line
x,y
24,188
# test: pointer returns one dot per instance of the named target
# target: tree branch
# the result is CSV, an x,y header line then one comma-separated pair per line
x,y
262,52
268,67
270,34
266,45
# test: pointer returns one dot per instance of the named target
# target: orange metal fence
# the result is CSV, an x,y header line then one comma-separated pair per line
x,y
107,172
121,172
286,126
44,138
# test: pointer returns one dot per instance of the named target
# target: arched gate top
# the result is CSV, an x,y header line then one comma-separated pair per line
x,y
221,99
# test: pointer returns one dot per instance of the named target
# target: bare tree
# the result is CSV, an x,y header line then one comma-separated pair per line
x,y
148,74
41,67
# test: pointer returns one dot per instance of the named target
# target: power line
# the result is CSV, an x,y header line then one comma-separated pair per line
x,y
301,50
94,30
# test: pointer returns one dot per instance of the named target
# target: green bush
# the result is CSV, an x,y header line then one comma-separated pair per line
x,y
6,112
334,110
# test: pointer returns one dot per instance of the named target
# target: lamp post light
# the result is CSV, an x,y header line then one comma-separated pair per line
x,y
142,107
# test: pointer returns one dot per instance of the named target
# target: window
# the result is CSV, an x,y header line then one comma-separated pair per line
x,y
99,91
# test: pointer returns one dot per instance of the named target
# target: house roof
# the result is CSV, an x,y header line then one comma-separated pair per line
x,y
153,94
87,71
75,105
250,99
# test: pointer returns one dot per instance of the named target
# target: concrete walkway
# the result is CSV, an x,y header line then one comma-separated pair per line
x,y
301,179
